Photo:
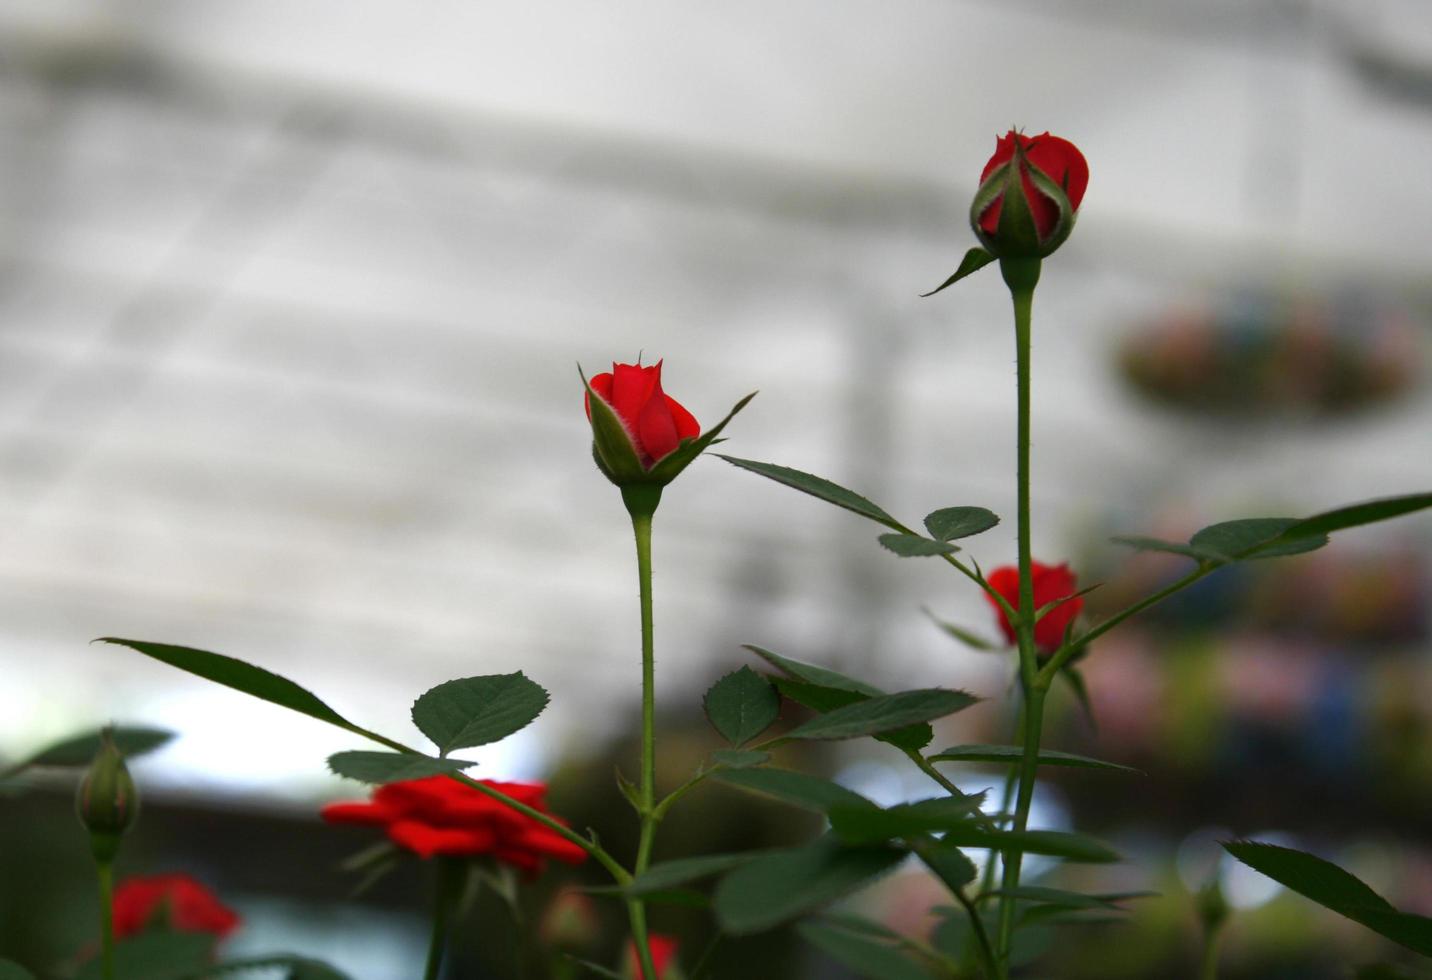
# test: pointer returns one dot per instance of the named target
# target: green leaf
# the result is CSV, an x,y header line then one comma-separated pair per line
x,y
79,750
916,546
866,957
972,640
864,927
596,968
741,705
1386,971
378,768
949,523
910,738
975,260
1253,537
262,684
811,674
669,874
1067,899
869,825
157,956
1075,680
1143,543
1333,888
796,788
478,710
950,864
738,759
1054,843
818,487
1013,753
874,716
10,970
784,884
1355,515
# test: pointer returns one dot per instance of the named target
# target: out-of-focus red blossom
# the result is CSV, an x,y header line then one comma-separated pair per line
x,y
654,420
176,902
663,957
440,816
1051,583
1061,162
570,920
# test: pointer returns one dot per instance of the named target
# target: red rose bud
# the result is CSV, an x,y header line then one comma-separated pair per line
x,y
1029,195
438,816
107,801
175,903
641,436
663,957
1051,583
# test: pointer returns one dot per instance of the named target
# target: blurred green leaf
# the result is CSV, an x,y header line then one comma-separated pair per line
x,y
597,968
784,884
378,768
818,487
1054,843
969,639
157,956
1013,753
10,970
975,260
738,759
796,788
669,874
79,750
949,523
811,674
1252,538
478,710
240,676
1333,888
874,716
950,864
741,705
869,825
1067,899
915,546
866,957
1142,543
1356,515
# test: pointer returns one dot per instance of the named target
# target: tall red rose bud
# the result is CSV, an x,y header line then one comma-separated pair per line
x,y
170,902
1051,583
107,801
1029,195
642,438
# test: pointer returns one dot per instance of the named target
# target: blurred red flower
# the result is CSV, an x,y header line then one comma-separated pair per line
x,y
663,957
1061,162
654,420
174,901
1051,583
440,816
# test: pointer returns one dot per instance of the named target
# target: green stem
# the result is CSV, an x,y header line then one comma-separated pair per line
x,y
444,892
1209,968
1021,277
104,871
641,527
982,944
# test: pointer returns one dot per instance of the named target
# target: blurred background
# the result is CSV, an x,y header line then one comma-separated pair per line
x,y
291,302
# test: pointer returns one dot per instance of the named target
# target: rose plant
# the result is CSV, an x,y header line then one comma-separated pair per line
x,y
487,831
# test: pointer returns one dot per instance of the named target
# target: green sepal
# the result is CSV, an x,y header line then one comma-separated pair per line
x,y
1017,235
670,466
612,445
975,260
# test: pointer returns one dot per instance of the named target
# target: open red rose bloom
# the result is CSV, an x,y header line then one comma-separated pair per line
x,y
1051,583
440,816
654,420
175,902
1061,162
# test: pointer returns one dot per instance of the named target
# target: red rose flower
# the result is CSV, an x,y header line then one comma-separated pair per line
x,y
174,901
1051,583
663,957
1058,159
655,422
440,816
